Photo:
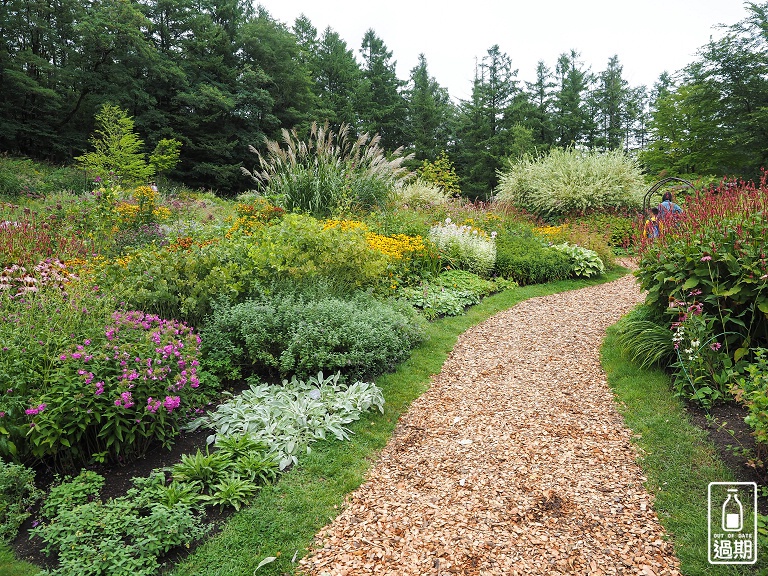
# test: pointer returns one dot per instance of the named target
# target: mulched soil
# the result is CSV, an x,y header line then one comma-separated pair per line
x,y
514,462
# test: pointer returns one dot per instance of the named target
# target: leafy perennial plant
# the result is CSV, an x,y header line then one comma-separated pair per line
x,y
112,395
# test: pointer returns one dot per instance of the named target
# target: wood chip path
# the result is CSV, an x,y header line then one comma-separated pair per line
x,y
514,462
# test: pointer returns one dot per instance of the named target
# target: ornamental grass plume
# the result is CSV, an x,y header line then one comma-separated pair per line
x,y
329,172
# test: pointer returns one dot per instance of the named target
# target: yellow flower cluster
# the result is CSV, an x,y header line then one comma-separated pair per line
x,y
396,246
130,212
552,232
145,195
245,224
345,225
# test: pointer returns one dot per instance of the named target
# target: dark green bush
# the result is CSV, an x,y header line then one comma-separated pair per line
x,y
301,334
526,261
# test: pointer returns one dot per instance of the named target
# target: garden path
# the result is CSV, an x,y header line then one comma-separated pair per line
x,y
515,461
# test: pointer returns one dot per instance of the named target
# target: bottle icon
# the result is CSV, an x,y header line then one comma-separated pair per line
x,y
733,512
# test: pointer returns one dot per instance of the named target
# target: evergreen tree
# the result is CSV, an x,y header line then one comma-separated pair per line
x,y
572,118
541,97
611,99
429,113
483,127
338,79
381,107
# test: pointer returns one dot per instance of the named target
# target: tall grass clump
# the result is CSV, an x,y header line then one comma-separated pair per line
x,y
571,181
328,173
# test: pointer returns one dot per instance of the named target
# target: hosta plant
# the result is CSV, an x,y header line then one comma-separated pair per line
x,y
585,263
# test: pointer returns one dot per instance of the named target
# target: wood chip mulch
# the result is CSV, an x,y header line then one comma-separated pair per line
x,y
514,462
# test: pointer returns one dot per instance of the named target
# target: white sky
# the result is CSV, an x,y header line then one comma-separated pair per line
x,y
649,36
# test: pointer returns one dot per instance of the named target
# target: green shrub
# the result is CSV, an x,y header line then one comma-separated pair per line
x,y
180,280
752,391
302,250
18,494
70,492
441,173
526,260
22,176
464,247
329,173
572,182
585,263
303,333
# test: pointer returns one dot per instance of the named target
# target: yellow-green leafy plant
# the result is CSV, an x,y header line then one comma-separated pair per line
x,y
441,173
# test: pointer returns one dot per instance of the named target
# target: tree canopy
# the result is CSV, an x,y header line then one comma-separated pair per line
x,y
220,76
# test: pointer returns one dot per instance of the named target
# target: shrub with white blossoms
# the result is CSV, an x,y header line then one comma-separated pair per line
x,y
465,247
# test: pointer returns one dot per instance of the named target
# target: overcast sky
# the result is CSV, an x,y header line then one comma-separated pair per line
x,y
648,36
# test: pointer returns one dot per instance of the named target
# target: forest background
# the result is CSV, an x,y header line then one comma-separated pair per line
x,y
223,75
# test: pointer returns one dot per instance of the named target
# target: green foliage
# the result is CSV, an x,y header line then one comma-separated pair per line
x,y
752,392
288,418
451,292
165,156
301,250
713,258
329,173
23,177
18,494
708,124
120,537
584,262
643,340
205,468
301,333
181,280
571,182
441,173
618,230
464,247
232,490
524,259
117,149
70,492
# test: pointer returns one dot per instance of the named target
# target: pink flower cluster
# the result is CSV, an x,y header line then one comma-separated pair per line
x,y
125,400
35,411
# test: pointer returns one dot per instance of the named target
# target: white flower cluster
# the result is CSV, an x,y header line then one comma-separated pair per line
x,y
465,247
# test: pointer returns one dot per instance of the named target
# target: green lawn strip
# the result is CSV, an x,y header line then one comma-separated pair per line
x,y
284,518
677,458
10,566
